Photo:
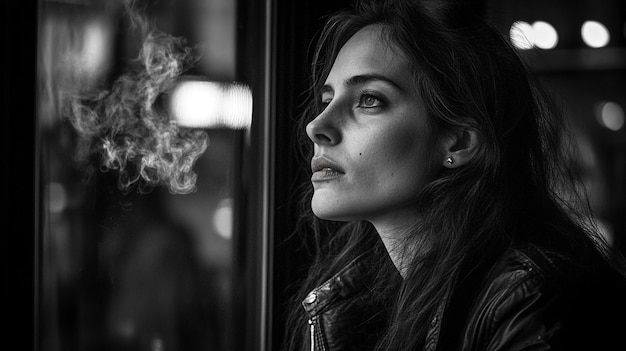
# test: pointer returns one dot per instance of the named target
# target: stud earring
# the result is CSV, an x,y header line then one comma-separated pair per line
x,y
449,160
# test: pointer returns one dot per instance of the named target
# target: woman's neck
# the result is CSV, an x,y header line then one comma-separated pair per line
x,y
394,234
392,244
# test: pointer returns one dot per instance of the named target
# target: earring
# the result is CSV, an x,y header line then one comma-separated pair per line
x,y
449,160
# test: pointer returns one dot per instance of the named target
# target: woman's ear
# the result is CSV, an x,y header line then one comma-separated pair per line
x,y
459,148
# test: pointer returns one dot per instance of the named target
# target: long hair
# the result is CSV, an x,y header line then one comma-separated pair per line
x,y
518,186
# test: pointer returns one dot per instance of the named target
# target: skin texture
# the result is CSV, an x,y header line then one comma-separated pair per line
x,y
376,134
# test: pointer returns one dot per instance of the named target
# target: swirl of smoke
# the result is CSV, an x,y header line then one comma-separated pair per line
x,y
126,128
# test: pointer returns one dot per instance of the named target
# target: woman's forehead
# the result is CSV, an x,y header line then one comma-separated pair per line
x,y
368,52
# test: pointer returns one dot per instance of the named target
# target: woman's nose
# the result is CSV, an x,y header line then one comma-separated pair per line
x,y
322,131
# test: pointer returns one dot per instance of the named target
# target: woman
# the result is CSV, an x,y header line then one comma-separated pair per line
x,y
442,204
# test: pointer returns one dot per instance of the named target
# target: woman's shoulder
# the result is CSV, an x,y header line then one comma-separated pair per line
x,y
531,267
539,296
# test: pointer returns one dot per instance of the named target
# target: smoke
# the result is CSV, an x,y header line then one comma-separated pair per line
x,y
127,129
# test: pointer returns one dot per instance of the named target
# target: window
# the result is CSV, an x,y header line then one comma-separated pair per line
x,y
153,206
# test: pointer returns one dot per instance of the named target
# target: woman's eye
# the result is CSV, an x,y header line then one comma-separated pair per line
x,y
369,101
325,100
323,104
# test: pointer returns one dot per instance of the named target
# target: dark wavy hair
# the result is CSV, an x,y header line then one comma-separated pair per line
x,y
519,187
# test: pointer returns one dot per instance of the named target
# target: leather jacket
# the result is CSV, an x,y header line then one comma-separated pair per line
x,y
529,299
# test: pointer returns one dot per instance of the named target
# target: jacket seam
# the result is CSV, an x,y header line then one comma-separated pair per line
x,y
532,272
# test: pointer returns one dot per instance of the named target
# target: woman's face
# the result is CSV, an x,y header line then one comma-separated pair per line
x,y
374,148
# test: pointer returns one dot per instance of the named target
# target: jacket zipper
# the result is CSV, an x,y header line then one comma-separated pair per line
x,y
312,328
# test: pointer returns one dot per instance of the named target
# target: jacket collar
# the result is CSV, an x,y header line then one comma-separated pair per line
x,y
344,284
349,282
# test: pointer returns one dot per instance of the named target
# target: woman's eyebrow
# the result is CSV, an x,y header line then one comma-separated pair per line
x,y
366,78
362,79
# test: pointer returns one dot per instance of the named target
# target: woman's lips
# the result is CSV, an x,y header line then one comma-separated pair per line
x,y
324,169
325,174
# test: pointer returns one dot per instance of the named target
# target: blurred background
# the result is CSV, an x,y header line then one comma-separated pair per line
x,y
93,265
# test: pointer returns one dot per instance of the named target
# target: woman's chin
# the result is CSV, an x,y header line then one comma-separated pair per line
x,y
329,214
323,214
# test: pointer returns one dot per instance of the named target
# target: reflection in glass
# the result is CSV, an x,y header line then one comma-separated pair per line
x,y
136,249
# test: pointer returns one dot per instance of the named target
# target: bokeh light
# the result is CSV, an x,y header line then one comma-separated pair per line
x,y
540,34
521,34
223,218
610,115
544,35
95,43
595,34
203,104
57,197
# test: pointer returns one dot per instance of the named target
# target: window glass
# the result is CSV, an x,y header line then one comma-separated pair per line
x,y
141,217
